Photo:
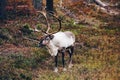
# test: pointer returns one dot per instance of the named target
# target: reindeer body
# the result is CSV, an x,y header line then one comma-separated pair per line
x,y
61,40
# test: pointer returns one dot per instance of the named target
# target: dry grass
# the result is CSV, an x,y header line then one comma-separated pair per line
x,y
96,57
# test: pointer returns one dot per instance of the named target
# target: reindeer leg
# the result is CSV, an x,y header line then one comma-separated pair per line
x,y
70,51
63,61
56,63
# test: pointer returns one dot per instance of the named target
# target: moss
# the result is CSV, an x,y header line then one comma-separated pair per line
x,y
26,29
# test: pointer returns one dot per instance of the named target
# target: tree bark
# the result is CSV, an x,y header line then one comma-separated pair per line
x,y
61,2
37,4
49,5
2,9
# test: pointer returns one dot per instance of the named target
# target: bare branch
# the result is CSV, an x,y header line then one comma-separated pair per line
x,y
99,2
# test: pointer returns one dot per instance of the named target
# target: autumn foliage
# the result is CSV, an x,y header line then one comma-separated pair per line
x,y
20,5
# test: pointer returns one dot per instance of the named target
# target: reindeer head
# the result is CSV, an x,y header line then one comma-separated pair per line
x,y
45,39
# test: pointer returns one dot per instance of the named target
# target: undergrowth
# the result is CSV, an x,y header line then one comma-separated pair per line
x,y
96,56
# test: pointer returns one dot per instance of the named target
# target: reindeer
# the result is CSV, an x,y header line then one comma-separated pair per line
x,y
57,42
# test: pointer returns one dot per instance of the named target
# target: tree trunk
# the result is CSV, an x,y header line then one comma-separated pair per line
x,y
49,5
2,9
37,4
61,2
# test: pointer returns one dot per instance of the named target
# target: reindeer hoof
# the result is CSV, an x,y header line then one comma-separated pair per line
x,y
70,65
64,69
56,70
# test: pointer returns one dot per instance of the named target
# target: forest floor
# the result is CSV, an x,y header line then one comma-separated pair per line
x,y
96,56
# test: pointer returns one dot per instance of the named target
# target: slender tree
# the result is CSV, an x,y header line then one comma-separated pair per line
x,y
49,5
2,9
61,2
37,4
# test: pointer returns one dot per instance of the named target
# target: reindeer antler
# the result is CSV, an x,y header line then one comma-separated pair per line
x,y
48,24
58,19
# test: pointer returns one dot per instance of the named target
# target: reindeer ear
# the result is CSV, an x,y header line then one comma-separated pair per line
x,y
51,36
